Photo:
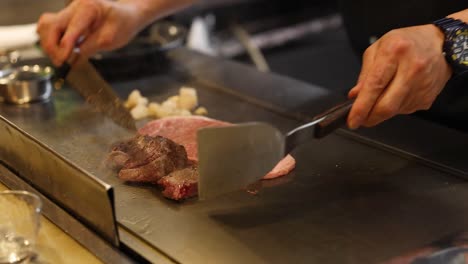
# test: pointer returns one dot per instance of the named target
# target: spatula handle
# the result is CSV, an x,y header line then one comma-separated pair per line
x,y
334,118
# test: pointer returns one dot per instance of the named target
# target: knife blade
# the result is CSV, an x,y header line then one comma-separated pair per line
x,y
82,76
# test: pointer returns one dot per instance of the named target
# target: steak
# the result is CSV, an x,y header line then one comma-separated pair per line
x,y
165,153
180,184
183,130
147,159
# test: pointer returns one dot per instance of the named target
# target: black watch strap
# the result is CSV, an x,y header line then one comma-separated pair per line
x,y
451,29
447,23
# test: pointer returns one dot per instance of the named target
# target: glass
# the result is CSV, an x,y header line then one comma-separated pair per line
x,y
20,213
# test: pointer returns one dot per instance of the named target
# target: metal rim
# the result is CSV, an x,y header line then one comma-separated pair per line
x,y
44,73
36,198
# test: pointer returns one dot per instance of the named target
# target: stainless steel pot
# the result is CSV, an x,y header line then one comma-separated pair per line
x,y
25,84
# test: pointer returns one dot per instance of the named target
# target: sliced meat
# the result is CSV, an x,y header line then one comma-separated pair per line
x,y
117,159
147,159
181,184
151,172
282,168
155,156
143,149
183,130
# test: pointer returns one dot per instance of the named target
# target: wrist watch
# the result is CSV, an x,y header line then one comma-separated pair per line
x,y
456,43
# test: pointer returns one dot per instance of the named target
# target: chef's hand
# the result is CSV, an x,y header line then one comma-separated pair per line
x,y
403,72
105,25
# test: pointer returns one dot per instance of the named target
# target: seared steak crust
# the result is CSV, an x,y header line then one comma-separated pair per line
x,y
147,159
180,184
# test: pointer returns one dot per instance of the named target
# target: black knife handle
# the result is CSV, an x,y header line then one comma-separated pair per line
x,y
62,71
334,119
60,74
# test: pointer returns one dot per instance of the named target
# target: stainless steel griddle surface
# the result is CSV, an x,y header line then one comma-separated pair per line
x,y
346,202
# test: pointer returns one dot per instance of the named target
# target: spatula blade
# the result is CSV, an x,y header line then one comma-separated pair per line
x,y
233,157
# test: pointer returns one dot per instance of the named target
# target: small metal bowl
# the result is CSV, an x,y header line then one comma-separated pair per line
x,y
25,84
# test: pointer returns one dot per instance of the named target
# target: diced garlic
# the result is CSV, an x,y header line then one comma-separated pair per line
x,y
166,110
174,98
183,112
134,99
153,109
139,112
169,104
142,101
184,90
188,99
201,111
177,105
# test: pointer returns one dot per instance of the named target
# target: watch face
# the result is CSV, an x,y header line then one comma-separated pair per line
x,y
460,47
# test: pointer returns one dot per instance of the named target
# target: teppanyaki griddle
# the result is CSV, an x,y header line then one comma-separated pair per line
x,y
348,200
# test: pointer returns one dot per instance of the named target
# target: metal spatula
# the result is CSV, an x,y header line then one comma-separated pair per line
x,y
233,157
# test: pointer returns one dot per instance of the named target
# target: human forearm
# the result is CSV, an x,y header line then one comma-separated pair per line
x,y
150,10
462,15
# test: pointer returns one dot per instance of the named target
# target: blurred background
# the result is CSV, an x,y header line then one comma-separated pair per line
x,y
303,39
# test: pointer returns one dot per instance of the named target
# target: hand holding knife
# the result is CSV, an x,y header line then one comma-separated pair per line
x,y
62,71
